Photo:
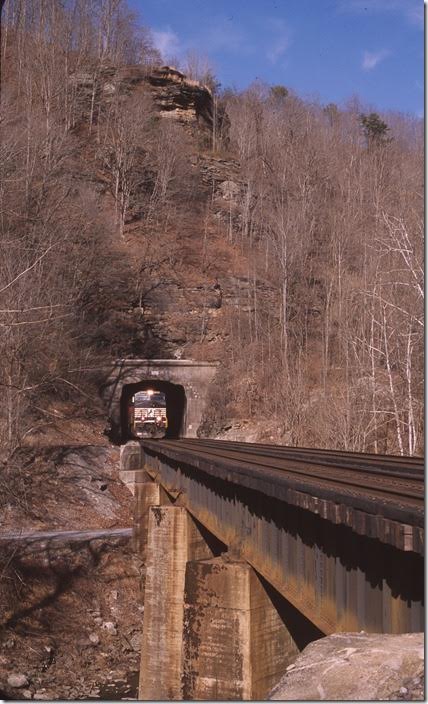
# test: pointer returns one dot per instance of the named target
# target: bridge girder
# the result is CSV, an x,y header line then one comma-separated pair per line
x,y
339,579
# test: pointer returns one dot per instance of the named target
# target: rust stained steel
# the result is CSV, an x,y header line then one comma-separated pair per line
x,y
339,541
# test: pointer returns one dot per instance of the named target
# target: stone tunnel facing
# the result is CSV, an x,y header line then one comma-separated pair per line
x,y
175,398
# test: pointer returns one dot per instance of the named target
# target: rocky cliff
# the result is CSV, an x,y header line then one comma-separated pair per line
x,y
177,96
191,278
173,94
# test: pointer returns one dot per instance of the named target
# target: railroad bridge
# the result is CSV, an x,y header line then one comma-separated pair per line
x,y
252,551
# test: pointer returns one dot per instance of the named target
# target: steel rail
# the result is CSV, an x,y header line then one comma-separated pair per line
x,y
337,474
389,493
393,459
318,451
411,467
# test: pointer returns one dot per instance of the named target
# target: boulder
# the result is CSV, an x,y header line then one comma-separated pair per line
x,y
229,190
352,666
17,679
44,695
110,627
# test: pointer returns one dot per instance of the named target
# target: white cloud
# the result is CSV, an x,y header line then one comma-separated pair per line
x,y
279,39
277,49
372,58
221,34
415,14
167,42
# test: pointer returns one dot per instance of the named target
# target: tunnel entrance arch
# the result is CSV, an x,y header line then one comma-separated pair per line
x,y
175,398
193,377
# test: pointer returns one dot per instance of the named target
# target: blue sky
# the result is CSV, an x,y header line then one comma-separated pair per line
x,y
329,50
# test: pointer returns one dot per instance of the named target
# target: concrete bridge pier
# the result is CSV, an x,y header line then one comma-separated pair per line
x,y
132,470
173,539
131,456
211,630
147,494
236,646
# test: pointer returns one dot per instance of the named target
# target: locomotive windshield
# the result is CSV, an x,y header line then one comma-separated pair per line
x,y
144,400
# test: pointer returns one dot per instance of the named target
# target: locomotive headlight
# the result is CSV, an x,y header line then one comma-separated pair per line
x,y
150,392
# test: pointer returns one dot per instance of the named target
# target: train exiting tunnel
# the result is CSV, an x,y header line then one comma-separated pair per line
x,y
185,384
175,398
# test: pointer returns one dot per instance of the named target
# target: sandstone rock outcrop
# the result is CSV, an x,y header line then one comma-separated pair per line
x,y
353,666
176,95
173,94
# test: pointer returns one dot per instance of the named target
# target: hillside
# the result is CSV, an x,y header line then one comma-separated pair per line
x,y
145,214
148,215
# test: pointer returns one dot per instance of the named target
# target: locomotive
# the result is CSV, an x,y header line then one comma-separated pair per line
x,y
148,417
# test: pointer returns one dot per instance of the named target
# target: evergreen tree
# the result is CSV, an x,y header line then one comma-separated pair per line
x,y
375,129
278,93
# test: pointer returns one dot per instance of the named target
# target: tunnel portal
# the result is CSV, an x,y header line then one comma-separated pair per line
x,y
184,382
175,398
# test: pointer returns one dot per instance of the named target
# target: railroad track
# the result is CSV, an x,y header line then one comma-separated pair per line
x,y
383,485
